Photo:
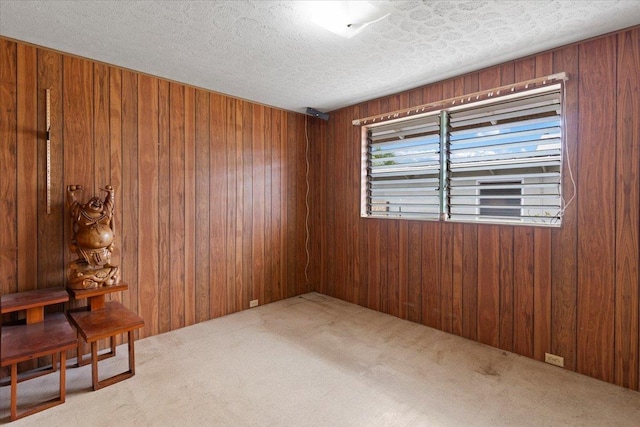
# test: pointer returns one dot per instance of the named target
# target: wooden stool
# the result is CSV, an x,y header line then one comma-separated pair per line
x,y
107,322
40,336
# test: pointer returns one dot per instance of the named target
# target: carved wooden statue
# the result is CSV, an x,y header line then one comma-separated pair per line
x,y
92,236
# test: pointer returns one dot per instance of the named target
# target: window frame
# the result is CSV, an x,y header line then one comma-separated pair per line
x,y
548,218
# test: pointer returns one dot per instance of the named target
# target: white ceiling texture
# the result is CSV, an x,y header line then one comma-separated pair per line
x,y
271,52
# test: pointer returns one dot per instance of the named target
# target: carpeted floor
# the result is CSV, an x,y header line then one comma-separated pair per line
x,y
317,361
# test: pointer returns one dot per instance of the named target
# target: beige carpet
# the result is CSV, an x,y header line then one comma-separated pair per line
x,y
317,361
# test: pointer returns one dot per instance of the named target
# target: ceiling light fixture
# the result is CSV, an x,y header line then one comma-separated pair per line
x,y
345,18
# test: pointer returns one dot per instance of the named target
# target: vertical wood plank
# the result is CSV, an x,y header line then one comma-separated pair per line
x,y
8,163
189,207
149,200
258,204
101,133
230,215
51,237
488,285
564,240
130,206
218,205
542,293
164,207
523,271
275,249
203,234
177,204
627,210
506,288
246,238
115,170
27,138
596,226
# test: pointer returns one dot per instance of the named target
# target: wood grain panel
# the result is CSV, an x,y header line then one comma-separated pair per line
x,y
542,293
523,279
231,150
564,240
165,312
627,210
506,289
130,208
489,285
258,204
596,226
149,200
27,139
216,203
177,204
8,163
51,239
246,237
201,188
101,130
189,207
115,159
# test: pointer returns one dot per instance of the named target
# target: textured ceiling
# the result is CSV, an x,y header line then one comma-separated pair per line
x,y
270,51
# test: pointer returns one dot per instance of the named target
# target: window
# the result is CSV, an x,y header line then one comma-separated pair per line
x,y
491,161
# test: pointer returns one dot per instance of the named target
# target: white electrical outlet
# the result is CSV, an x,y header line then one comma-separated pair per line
x,y
253,303
554,359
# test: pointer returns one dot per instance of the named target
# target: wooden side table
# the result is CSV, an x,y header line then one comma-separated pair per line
x,y
102,320
95,301
40,336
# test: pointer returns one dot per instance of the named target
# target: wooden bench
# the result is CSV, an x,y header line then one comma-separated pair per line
x,y
40,336
100,320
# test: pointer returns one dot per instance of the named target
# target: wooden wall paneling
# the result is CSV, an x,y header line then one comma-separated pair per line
x,y
414,271
359,243
277,165
470,281
51,240
317,153
302,285
114,178
469,84
130,191
205,240
78,131
247,236
596,225
564,240
627,210
230,214
148,197
542,258
177,204
340,195
489,255
27,139
267,147
523,277
165,196
489,285
189,206
101,129
373,233
240,285
352,153
507,76
8,163
436,272
258,204
212,204
506,289
541,293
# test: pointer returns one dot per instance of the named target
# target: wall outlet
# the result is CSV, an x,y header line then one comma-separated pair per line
x,y
554,359
253,303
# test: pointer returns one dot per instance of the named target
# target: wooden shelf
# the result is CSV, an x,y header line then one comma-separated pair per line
x,y
33,302
96,296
